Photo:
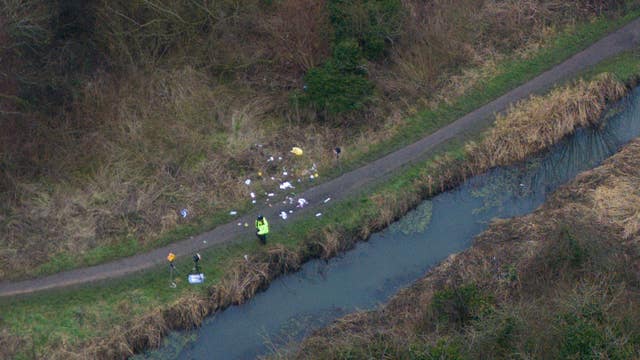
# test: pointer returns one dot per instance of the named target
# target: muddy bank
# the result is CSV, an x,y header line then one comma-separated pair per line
x,y
577,105
562,282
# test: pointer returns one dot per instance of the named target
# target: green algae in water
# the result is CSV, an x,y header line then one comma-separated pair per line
x,y
415,221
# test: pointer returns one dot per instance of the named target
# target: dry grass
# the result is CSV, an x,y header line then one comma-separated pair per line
x,y
247,277
624,210
10,344
173,123
540,121
567,262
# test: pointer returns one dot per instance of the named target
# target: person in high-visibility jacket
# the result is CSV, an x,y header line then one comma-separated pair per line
x,y
262,229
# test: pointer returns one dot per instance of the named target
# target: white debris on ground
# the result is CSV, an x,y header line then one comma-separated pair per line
x,y
286,185
246,257
297,175
184,213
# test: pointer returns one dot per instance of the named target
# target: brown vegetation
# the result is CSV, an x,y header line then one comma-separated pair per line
x,y
560,282
541,121
247,277
135,110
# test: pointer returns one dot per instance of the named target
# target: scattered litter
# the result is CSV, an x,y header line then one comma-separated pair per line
x,y
283,215
253,201
233,212
247,182
316,174
318,214
302,202
259,173
521,185
239,224
246,225
270,158
279,157
184,213
299,180
272,178
204,241
297,151
311,177
286,185
284,173
246,257
271,194
253,195
290,211
326,200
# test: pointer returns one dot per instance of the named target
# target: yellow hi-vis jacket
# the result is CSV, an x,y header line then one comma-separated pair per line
x,y
262,226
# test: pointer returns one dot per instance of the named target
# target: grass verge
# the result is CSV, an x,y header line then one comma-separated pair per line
x,y
511,73
558,283
60,324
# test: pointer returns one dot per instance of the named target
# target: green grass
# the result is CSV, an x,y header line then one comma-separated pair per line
x,y
512,73
48,317
78,314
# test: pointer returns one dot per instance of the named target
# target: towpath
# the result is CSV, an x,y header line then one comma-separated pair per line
x,y
624,39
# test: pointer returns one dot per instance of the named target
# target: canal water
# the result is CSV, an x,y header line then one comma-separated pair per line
x,y
296,304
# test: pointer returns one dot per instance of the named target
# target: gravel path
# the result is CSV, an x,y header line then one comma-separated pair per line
x,y
621,40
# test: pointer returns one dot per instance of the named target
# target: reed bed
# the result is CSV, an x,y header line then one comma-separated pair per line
x,y
528,285
247,277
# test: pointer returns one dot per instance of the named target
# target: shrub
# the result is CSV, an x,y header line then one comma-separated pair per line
x,y
332,91
370,22
339,85
347,57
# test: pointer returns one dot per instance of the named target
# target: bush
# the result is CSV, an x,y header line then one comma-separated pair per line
x,y
333,91
340,84
347,57
370,22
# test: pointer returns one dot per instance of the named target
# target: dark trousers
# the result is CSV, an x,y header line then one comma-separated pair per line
x,y
262,238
